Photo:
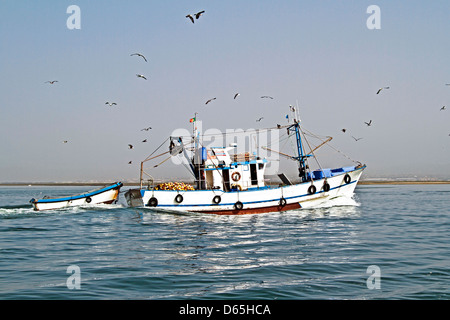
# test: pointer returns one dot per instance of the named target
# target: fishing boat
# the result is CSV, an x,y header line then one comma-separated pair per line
x,y
234,184
104,195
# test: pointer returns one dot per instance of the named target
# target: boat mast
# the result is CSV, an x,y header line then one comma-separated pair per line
x,y
198,158
302,167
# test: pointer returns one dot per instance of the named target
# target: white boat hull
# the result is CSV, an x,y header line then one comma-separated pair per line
x,y
106,195
257,200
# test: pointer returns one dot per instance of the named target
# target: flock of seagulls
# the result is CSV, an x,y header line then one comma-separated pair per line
x,y
192,18
369,123
235,96
130,146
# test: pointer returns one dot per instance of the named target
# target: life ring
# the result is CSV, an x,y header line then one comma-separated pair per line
x,y
236,176
282,202
237,187
312,189
217,199
326,187
88,199
238,205
179,198
347,178
153,202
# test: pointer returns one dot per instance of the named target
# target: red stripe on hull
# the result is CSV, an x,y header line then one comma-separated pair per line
x,y
243,211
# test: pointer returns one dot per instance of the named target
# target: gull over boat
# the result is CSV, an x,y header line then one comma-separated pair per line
x,y
234,184
104,195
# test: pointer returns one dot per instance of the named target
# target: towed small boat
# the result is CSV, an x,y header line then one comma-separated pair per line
x,y
234,184
103,195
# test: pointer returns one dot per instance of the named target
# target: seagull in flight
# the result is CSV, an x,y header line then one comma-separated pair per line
x,y
130,146
236,95
343,130
210,100
443,108
111,103
379,90
146,129
140,55
52,82
259,120
145,140
65,141
196,15
356,139
141,76
266,97
368,123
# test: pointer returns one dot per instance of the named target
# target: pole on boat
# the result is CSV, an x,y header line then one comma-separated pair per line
x,y
140,176
301,155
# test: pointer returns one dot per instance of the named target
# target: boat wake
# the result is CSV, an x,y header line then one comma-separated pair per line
x,y
14,210
23,210
339,202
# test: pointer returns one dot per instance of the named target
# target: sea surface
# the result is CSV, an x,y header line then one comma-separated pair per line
x,y
387,242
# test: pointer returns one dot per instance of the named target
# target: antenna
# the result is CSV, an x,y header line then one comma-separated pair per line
x,y
297,114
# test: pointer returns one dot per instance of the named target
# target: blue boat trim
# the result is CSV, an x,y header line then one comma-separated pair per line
x,y
345,170
81,196
250,202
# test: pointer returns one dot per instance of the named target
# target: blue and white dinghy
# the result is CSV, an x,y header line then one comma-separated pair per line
x,y
103,195
234,184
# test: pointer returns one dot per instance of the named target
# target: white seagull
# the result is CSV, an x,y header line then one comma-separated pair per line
x,y
368,123
443,108
236,95
379,90
266,97
356,139
111,103
52,82
140,55
141,76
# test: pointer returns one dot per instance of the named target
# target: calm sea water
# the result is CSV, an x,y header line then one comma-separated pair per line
x,y
388,242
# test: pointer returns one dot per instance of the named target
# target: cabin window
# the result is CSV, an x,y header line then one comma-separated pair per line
x,y
260,166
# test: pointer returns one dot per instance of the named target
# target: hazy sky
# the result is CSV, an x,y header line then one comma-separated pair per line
x,y
319,54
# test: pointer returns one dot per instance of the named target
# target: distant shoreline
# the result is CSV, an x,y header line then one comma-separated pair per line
x,y
135,184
